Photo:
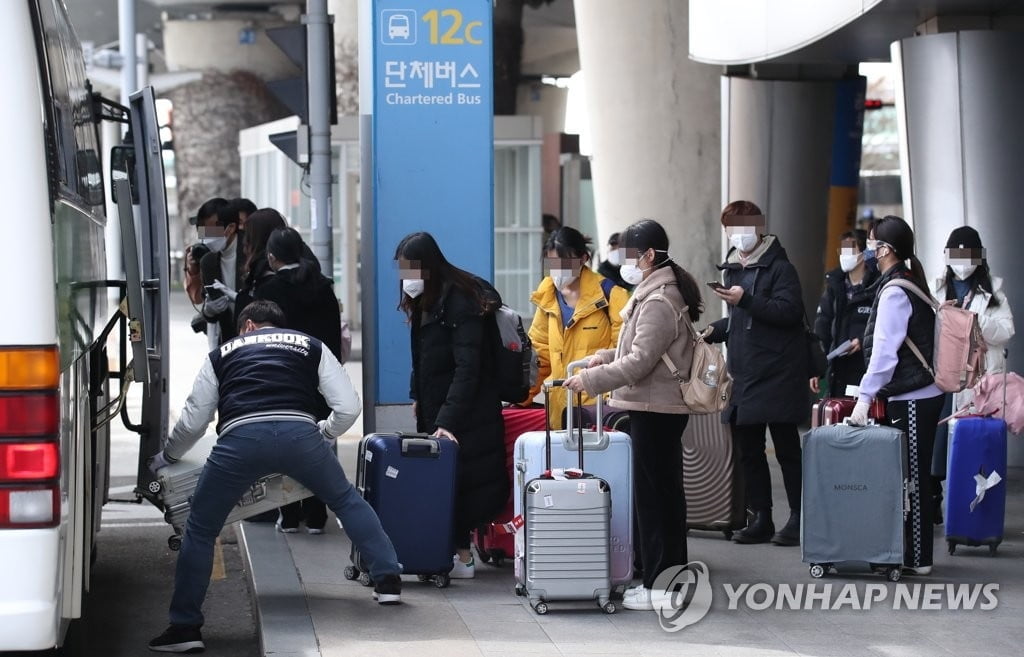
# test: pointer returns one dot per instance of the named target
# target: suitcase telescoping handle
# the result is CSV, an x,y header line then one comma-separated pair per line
x,y
573,368
548,385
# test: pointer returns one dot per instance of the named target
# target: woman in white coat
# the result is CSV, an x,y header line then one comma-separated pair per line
x,y
969,283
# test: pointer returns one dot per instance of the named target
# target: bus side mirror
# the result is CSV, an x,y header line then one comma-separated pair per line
x,y
122,166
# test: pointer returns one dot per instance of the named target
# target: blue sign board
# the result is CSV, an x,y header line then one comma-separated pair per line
x,y
432,156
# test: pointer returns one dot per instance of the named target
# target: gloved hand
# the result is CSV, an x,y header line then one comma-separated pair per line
x,y
214,307
328,438
158,462
860,414
224,289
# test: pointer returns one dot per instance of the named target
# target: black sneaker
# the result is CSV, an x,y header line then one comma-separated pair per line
x,y
179,638
388,590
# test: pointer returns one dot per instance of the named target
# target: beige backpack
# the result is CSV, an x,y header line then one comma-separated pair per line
x,y
708,387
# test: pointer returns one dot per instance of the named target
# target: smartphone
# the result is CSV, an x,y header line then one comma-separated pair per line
x,y
715,285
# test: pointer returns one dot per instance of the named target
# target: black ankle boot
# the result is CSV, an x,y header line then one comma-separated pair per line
x,y
760,529
790,534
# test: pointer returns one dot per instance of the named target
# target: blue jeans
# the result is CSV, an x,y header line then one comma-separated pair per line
x,y
240,457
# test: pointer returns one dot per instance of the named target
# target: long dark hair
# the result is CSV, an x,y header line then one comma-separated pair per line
x,y
258,227
568,242
422,249
286,245
981,278
649,234
895,232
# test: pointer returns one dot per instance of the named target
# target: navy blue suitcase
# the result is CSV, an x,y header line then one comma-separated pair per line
x,y
976,482
409,480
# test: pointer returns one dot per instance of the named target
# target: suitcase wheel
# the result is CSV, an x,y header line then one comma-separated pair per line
x,y
728,534
520,590
817,570
894,574
541,608
423,578
442,581
350,573
174,542
952,546
608,607
154,487
364,579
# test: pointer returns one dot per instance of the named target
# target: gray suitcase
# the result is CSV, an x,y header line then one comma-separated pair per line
x,y
609,457
178,481
855,492
566,539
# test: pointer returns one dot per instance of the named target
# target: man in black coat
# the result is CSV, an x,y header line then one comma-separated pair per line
x,y
768,361
843,313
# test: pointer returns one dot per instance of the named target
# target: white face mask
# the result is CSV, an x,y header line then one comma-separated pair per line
x,y
614,257
849,261
631,274
745,242
963,272
413,287
563,278
215,244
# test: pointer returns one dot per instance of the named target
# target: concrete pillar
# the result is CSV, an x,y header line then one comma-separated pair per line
x,y
776,152
654,120
960,96
236,59
346,54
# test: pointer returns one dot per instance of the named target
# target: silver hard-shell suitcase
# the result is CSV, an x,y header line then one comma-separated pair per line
x,y
178,481
609,456
566,540
855,497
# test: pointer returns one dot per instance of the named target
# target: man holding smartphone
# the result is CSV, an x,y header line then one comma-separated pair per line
x,y
768,363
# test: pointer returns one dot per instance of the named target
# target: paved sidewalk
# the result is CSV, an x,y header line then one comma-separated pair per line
x,y
308,609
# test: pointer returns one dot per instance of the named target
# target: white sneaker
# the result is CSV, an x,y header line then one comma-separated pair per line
x,y
463,570
314,531
920,570
644,600
634,591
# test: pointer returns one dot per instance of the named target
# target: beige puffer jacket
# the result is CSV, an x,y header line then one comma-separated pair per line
x,y
634,371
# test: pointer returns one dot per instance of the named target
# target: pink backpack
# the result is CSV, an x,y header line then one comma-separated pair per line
x,y
959,356
1001,396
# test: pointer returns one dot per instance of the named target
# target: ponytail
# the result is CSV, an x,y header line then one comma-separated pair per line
x,y
690,291
917,274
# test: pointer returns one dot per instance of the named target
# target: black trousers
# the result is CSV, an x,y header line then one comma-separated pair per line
x,y
752,440
659,501
918,418
311,510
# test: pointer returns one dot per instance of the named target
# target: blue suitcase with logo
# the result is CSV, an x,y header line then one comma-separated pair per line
x,y
976,482
410,481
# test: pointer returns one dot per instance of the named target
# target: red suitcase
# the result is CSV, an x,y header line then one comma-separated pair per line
x,y
836,409
493,542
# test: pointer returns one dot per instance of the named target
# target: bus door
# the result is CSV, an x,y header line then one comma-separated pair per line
x,y
154,273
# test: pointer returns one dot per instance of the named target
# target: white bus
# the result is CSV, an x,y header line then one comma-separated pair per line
x,y
55,380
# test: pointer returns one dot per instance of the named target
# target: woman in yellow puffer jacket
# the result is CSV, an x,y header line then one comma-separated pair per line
x,y
578,313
